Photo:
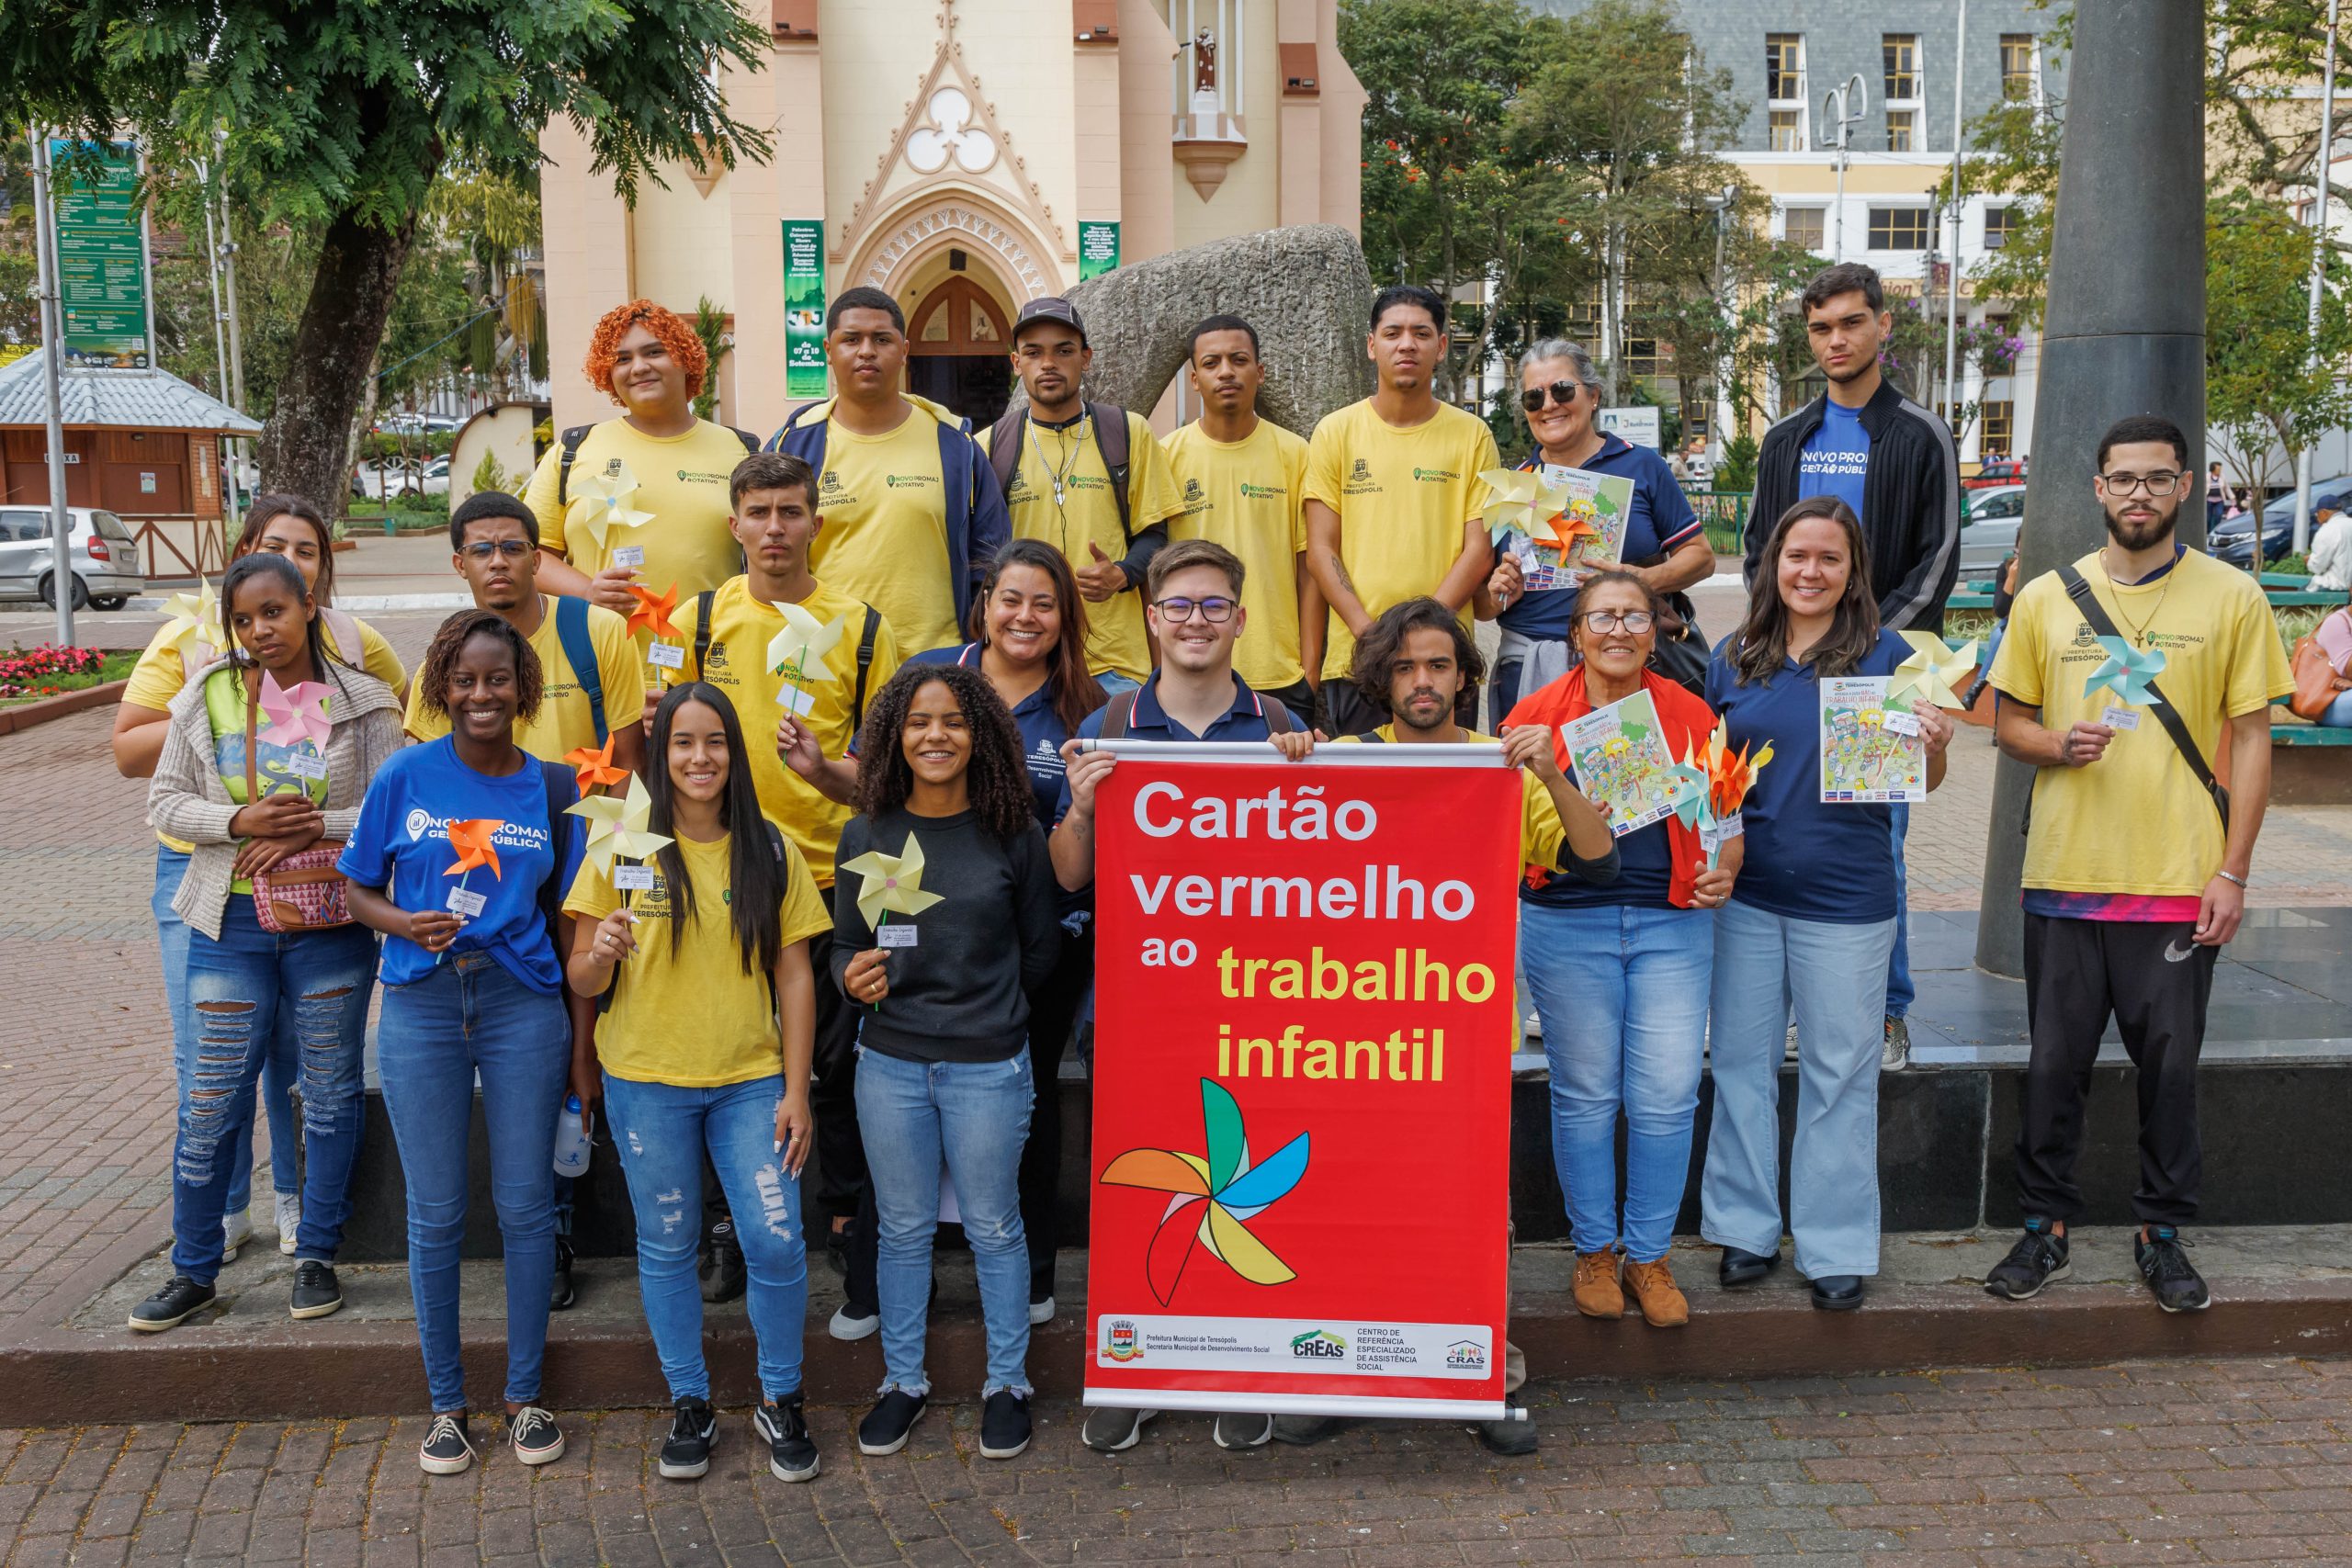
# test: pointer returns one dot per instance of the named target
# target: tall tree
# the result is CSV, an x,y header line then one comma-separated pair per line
x,y
343,112
2265,390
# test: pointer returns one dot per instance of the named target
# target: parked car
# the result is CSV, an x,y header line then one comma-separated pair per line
x,y
2232,539
393,479
1997,471
418,425
104,556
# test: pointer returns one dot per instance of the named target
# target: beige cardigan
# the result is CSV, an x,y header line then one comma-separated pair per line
x,y
189,802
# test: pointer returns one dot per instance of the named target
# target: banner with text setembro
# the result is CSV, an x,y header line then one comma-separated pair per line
x,y
1302,1080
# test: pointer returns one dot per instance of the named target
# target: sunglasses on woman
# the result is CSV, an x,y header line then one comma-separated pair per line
x,y
1561,392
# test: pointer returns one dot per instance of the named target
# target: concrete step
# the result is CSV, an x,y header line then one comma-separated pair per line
x,y
2278,1290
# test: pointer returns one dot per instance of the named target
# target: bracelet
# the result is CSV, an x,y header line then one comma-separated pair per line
x,y
2227,877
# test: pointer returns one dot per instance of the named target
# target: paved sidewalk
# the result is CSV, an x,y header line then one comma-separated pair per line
x,y
2167,1462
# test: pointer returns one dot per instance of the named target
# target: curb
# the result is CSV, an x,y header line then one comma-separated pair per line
x,y
42,709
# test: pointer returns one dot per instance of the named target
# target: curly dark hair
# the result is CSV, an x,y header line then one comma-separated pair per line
x,y
998,782
1377,650
432,676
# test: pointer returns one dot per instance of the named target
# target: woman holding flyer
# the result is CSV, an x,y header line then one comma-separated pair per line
x,y
264,764
705,1052
459,860
1619,970
945,919
1650,530
1812,921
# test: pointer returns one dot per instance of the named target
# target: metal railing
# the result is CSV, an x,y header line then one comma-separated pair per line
x,y
1725,514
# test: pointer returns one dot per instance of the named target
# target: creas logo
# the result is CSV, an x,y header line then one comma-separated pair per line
x,y
1319,1344
1229,1188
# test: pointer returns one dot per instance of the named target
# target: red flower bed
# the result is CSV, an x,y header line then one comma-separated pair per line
x,y
33,673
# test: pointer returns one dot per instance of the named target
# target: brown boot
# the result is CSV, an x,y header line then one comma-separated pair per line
x,y
1662,1303
1596,1289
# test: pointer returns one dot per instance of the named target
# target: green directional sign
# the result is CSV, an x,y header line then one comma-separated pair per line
x,y
102,274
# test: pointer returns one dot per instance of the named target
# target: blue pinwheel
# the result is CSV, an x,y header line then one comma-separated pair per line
x,y
2126,672
1230,1189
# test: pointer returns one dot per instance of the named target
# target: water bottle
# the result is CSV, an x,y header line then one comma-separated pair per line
x,y
573,1130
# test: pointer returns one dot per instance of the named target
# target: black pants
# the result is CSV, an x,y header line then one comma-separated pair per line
x,y
1053,1015
2078,973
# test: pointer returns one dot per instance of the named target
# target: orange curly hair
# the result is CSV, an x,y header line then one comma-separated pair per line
x,y
663,324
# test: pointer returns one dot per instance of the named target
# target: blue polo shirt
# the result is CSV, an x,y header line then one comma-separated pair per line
x,y
1661,520
1806,861
1245,720
1042,733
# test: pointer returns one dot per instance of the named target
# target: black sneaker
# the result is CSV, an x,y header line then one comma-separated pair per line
x,y
686,1454
1004,1424
1509,1438
532,1433
1112,1429
171,1305
316,1294
783,1425
560,1295
2036,1259
884,1428
1239,1430
2173,1280
1303,1431
722,1263
448,1450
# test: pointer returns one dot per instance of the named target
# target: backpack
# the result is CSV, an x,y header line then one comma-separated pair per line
x,y
703,601
1110,423
552,890
580,650
573,437
1120,708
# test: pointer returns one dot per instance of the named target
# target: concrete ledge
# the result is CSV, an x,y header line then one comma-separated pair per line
x,y
40,710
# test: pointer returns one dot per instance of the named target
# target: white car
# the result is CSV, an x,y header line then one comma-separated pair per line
x,y
393,479
103,555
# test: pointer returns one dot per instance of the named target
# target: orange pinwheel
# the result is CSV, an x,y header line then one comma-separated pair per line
x,y
1572,523
652,612
594,765
1728,776
472,841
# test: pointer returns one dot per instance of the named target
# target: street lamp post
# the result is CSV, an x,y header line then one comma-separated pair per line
x,y
1952,302
1846,105
2323,161
52,346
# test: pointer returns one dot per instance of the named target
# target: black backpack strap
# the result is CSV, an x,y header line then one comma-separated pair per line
x,y
1110,423
750,441
2079,591
1004,446
864,666
703,601
1278,716
1115,714
552,890
572,439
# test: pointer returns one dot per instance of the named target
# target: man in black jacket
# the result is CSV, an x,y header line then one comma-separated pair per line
x,y
1894,463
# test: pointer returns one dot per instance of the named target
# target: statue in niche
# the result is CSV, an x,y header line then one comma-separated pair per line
x,y
1204,62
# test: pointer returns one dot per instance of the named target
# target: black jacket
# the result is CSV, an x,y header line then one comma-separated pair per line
x,y
1910,502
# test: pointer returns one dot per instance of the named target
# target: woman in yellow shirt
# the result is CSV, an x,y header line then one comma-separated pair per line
x,y
704,1049
280,525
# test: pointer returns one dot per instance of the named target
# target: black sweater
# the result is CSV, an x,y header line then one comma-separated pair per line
x,y
960,994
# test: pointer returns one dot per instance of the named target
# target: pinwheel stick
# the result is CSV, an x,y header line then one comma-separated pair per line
x,y
877,1004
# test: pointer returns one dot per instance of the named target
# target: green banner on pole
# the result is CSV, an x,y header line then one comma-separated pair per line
x,y
101,257
1097,249
804,308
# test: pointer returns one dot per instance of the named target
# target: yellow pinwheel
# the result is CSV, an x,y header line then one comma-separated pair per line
x,y
893,883
601,503
1519,502
618,825
798,652
193,626
1934,671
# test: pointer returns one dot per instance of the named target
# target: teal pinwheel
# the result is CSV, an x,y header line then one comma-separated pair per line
x,y
1229,1190
2126,672
1685,791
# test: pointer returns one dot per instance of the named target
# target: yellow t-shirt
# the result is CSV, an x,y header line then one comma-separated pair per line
x,y
2136,820
565,722
741,627
1403,497
159,675
885,534
680,480
1087,515
694,1019
1249,496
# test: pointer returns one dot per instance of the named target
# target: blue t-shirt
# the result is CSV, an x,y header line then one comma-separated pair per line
x,y
1836,457
402,846
1042,732
1806,860
1661,520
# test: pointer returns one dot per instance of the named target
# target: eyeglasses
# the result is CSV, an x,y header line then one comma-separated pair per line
x,y
1217,611
1634,621
1561,392
512,549
2161,482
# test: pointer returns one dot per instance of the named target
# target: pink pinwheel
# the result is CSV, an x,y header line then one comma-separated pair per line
x,y
297,712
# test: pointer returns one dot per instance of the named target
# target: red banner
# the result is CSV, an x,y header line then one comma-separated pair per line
x,y
1301,1085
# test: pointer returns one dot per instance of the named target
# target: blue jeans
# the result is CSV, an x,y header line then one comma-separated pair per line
x,y
278,1069
976,1115
662,1131
1622,993
1899,990
2337,715
237,991
468,1017
1834,976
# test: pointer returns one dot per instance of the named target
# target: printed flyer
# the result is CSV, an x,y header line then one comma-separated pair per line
x,y
1870,749
1302,1076
1620,761
1589,532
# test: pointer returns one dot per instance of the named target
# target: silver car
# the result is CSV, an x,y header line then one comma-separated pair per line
x,y
1990,531
103,555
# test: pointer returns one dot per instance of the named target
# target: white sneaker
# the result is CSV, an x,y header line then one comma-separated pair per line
x,y
1531,1025
846,1327
235,1230
1042,1312
289,1220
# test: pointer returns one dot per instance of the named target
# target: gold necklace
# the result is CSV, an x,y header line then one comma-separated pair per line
x,y
2139,630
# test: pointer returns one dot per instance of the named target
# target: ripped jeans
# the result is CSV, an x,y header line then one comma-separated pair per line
x,y
238,988
662,1131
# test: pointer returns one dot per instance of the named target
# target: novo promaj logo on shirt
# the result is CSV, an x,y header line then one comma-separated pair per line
x,y
689,476
910,481
1436,476
1263,492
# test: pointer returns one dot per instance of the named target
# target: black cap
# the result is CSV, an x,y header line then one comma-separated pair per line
x,y
1049,308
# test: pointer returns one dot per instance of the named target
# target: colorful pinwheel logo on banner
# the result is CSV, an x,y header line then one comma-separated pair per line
x,y
2126,672
601,503
1934,671
594,765
1519,502
1230,1191
297,712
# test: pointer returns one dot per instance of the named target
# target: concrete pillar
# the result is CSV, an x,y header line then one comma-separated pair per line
x,y
2124,332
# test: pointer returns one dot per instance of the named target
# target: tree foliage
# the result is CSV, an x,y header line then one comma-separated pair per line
x,y
2266,390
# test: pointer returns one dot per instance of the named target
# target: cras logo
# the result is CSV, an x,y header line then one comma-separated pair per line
x,y
1465,1355
1319,1345
1229,1190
